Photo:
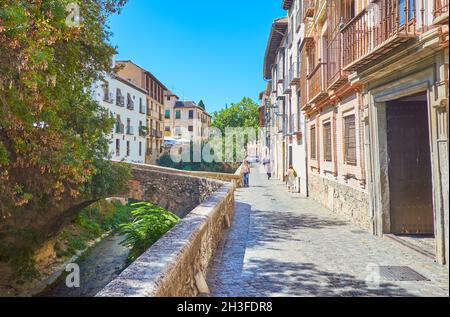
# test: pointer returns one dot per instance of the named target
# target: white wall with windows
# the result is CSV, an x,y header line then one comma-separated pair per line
x,y
126,104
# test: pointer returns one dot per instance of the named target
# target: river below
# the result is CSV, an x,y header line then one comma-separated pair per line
x,y
99,267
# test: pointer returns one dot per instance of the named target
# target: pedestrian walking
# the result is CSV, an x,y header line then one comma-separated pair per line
x,y
291,176
267,167
246,172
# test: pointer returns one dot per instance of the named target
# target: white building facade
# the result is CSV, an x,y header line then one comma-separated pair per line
x,y
285,123
127,104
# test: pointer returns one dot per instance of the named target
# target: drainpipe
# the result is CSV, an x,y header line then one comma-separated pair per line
x,y
306,156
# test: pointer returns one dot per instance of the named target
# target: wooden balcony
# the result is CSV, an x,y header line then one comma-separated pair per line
x,y
381,27
440,11
308,8
316,83
336,76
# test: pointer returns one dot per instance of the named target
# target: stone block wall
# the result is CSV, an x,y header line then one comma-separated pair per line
x,y
176,192
170,267
349,202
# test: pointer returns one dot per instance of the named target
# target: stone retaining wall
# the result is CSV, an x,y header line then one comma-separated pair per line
x,y
351,203
172,265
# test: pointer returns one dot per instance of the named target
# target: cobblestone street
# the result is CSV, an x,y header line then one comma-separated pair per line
x,y
281,244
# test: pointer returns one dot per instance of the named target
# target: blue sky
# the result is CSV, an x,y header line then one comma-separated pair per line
x,y
201,49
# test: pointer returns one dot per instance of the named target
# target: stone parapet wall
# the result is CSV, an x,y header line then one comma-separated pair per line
x,y
177,193
174,264
349,202
235,178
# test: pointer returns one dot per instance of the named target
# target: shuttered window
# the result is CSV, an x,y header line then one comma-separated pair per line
x,y
313,143
350,140
327,148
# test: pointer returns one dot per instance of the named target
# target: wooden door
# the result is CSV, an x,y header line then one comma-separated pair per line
x,y
410,184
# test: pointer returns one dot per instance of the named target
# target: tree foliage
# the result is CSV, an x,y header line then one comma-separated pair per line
x,y
201,104
52,133
243,114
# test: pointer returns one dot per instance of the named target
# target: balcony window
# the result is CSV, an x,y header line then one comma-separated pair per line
x,y
117,147
120,100
191,114
167,114
327,142
313,143
350,140
178,114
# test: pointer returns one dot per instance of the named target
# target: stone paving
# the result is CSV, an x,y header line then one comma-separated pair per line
x,y
281,244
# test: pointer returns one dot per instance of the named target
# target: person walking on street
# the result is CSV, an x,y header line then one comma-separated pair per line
x,y
291,176
267,167
246,172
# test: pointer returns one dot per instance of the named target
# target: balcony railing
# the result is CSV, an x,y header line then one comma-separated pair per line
x,y
308,8
316,83
294,74
381,27
130,104
335,74
119,128
440,8
130,130
120,101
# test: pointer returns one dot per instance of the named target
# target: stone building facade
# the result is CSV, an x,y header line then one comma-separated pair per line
x,y
373,87
333,107
185,119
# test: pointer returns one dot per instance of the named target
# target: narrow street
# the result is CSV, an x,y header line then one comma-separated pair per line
x,y
281,244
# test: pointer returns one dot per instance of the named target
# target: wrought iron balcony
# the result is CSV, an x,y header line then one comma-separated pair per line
x,y
130,130
378,29
316,83
119,128
120,101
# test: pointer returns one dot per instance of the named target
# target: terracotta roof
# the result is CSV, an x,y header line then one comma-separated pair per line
x,y
189,104
144,70
277,32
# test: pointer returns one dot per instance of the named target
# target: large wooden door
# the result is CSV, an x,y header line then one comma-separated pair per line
x,y
410,184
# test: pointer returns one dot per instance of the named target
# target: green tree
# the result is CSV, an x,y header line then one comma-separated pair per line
x,y
243,114
52,133
201,104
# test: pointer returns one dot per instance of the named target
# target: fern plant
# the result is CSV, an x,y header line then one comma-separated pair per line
x,y
149,224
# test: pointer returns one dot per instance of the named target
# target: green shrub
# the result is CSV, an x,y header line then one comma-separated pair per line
x,y
149,223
